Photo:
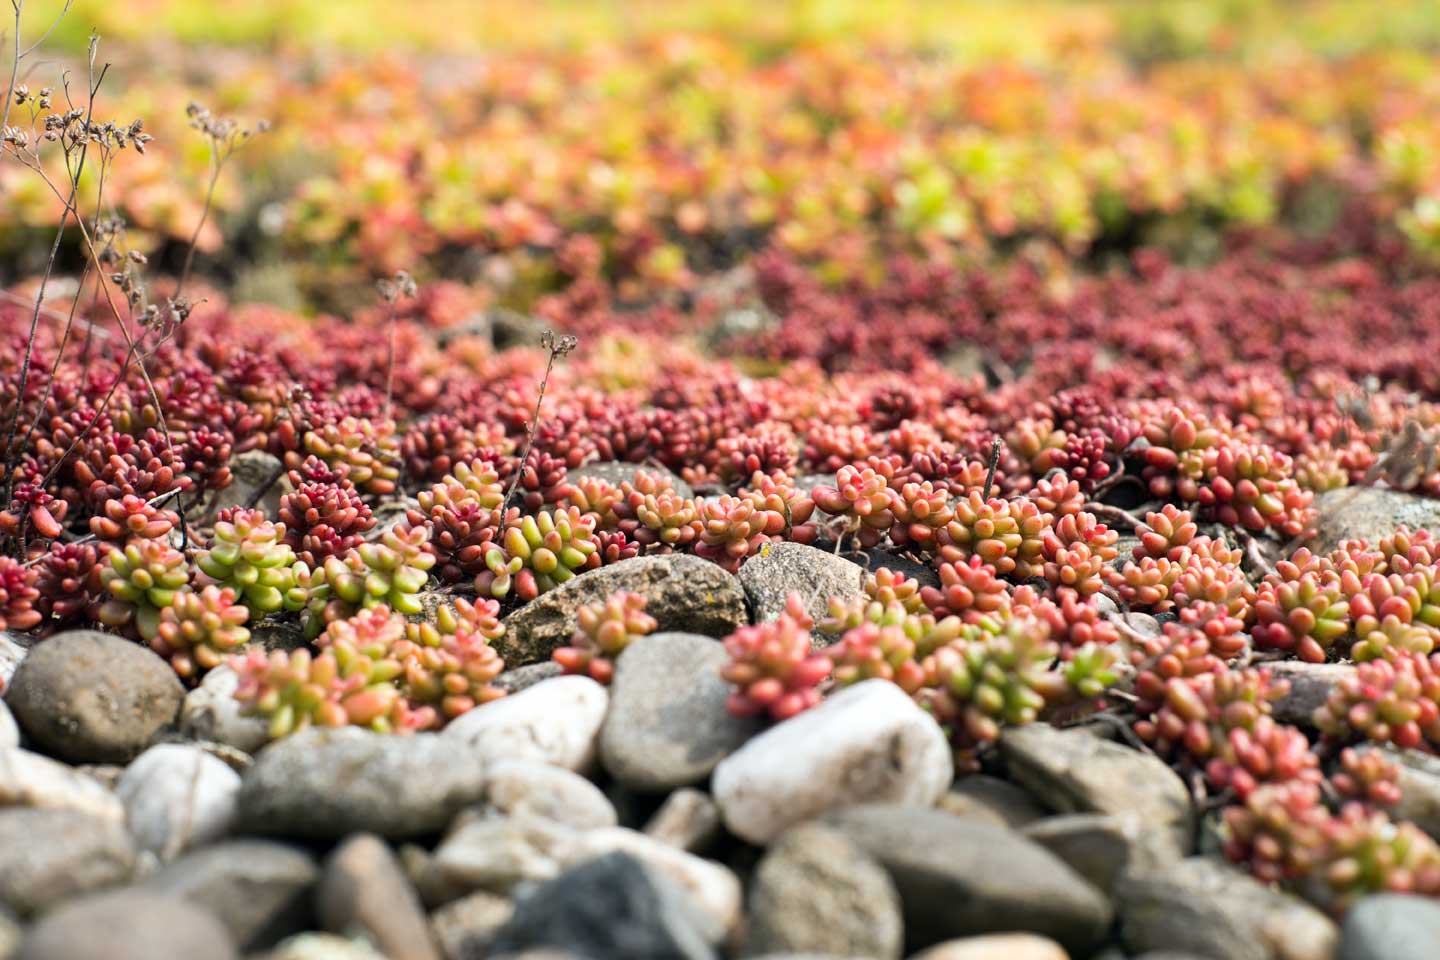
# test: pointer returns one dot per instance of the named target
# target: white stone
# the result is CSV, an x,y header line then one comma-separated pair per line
x,y
869,743
9,731
177,796
713,888
211,712
528,787
11,653
33,780
498,853
556,721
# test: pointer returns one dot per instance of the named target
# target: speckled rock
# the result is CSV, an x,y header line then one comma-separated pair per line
x,y
329,783
962,878
363,892
779,569
259,889
128,925
532,788
47,856
249,471
868,743
466,928
688,819
211,712
1370,513
556,721
1310,685
1210,909
667,726
522,678
1070,771
498,853
1391,927
34,780
816,891
682,592
176,797
86,696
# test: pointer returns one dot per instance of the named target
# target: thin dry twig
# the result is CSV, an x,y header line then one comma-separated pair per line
x,y
559,346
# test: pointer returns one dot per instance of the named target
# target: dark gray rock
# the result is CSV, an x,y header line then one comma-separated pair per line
x,y
1207,908
815,891
1391,926
667,726
522,678
1070,771
1370,513
615,472
330,783
1098,846
89,697
609,908
364,892
688,819
128,925
259,889
779,569
1310,685
47,856
250,471
683,592
993,799
877,557
960,878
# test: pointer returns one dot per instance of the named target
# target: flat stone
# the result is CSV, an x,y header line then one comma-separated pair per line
x,y
667,725
816,891
128,925
688,820
1098,846
34,780
1207,908
522,678
90,697
47,856
1310,686
211,712
869,743
608,908
466,928
1391,926
363,892
259,889
682,592
996,946
1073,772
532,788
177,796
962,878
327,783
993,799
779,569
556,722
1370,513
617,472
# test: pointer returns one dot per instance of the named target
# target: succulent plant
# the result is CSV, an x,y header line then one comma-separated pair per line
x,y
1076,622
665,520
1007,535
773,667
1058,496
734,528
130,516
324,519
863,498
463,514
18,596
142,579
1301,612
1388,701
67,579
777,493
538,553
1390,637
32,503
249,554
1166,534
389,573
368,450
889,586
605,630
969,589
1252,486
198,630
1366,777
1147,583
920,510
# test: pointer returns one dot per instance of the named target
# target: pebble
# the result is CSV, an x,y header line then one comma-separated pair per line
x,y
498,853
1391,926
12,651
47,856
996,946
128,925
466,928
324,783
90,697
688,820
993,799
1310,686
868,743
816,891
363,892
961,878
556,721
1071,771
211,712
1213,910
1098,846
609,908
1370,513
176,797
11,934
323,946
779,569
248,471
667,726
529,787
1419,783
34,780
522,678
683,592
259,889
9,729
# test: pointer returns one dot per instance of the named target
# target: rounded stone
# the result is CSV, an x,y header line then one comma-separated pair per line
x,y
1391,926
47,856
34,780
128,925
667,726
779,569
211,712
89,697
532,788
556,721
996,946
9,730
177,796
